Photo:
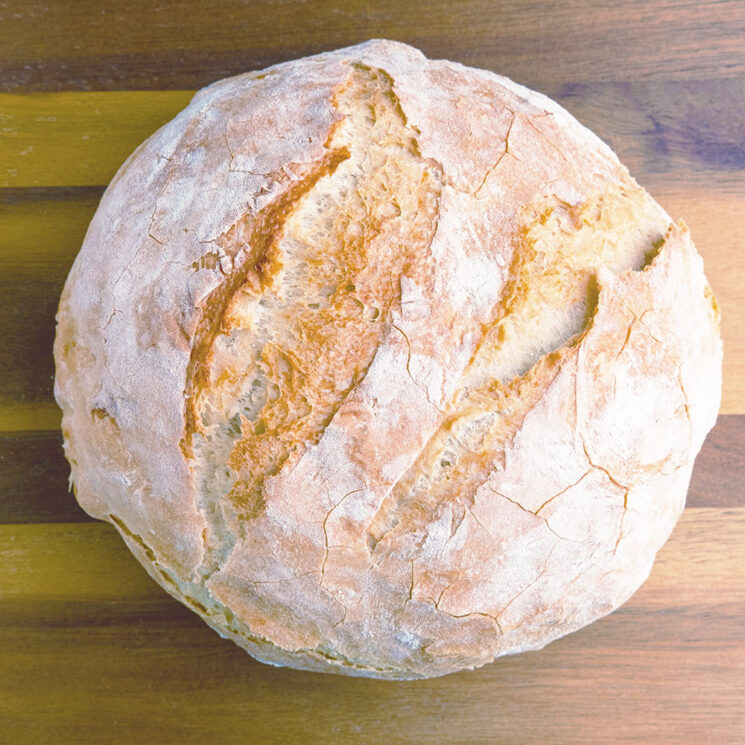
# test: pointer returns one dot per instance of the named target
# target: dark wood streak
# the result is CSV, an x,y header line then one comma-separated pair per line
x,y
11,197
159,610
27,332
109,45
663,126
41,231
33,475
719,472
33,480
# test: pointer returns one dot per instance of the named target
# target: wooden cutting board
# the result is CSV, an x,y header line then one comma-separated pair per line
x,y
91,651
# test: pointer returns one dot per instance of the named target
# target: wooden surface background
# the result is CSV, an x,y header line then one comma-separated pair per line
x,y
91,651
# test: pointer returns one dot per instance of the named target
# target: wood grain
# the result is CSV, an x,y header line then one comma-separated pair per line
x,y
170,44
86,634
77,139
34,475
41,231
717,479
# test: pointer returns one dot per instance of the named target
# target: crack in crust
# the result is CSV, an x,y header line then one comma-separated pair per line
x,y
501,157
537,512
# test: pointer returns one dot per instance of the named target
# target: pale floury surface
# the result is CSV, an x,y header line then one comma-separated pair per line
x,y
385,366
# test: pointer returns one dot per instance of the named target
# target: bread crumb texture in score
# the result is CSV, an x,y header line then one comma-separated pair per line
x,y
446,370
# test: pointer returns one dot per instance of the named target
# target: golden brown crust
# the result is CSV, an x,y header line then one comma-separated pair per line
x,y
257,235
389,369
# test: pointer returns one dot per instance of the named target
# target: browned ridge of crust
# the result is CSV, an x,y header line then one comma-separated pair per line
x,y
253,241
558,252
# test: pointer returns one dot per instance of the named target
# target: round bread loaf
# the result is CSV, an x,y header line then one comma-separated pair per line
x,y
385,366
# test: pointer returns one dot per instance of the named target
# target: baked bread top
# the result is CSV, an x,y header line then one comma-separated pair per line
x,y
385,365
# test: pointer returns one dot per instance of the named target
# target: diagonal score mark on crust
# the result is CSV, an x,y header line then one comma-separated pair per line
x,y
459,456
299,322
256,236
546,308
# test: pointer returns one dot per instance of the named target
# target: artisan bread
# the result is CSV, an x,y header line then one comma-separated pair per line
x,y
385,366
